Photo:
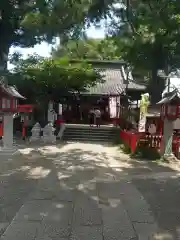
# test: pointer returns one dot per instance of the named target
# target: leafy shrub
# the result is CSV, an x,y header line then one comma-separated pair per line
x,y
146,152
141,152
125,148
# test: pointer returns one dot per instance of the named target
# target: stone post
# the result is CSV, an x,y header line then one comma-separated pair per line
x,y
50,115
8,143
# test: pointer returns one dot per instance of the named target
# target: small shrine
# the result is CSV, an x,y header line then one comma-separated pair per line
x,y
9,97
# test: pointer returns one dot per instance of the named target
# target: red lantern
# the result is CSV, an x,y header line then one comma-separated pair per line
x,y
170,111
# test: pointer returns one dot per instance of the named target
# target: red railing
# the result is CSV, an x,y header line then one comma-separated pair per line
x,y
131,139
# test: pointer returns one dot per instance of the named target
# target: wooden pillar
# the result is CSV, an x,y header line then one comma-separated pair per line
x,y
1,129
23,130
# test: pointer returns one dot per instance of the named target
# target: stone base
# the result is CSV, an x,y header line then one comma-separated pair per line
x,y
49,140
8,151
34,139
169,157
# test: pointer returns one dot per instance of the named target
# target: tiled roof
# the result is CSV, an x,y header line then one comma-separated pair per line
x,y
12,91
114,83
133,85
169,96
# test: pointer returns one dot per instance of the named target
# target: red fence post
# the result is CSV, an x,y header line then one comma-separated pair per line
x,y
133,142
130,139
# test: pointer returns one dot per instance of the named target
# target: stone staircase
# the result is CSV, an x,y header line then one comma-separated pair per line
x,y
85,133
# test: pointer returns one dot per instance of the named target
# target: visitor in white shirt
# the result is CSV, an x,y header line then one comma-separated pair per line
x,y
97,114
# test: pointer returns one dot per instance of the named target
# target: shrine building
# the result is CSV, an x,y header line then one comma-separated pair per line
x,y
108,96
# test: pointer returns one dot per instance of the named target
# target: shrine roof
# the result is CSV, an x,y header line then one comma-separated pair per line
x,y
10,90
169,97
114,83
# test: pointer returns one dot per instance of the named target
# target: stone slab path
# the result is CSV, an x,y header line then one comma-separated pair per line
x,y
79,191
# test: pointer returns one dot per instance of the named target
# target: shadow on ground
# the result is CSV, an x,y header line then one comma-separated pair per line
x,y
71,174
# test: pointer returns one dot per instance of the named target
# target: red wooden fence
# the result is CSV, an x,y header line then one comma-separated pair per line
x,y
152,141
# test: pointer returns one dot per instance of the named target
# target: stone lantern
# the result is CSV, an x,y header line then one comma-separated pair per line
x,y
8,107
170,106
170,111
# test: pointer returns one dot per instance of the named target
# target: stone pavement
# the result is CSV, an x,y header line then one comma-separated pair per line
x,y
86,191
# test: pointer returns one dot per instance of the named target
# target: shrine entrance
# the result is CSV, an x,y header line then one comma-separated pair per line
x,y
78,112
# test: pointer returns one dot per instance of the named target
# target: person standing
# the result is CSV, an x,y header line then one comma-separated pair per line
x,y
91,117
97,114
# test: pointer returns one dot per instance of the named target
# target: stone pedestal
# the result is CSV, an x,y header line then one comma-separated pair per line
x,y
35,133
8,143
48,134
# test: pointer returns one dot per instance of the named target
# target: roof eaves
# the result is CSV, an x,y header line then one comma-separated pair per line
x,y
10,90
170,96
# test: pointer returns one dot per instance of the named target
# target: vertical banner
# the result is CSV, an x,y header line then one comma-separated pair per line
x,y
144,103
60,109
118,107
112,107
50,112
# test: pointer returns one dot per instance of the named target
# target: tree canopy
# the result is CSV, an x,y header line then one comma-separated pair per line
x,y
87,48
146,32
25,23
149,33
43,79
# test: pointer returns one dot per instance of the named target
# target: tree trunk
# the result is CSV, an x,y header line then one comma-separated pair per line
x,y
156,87
4,51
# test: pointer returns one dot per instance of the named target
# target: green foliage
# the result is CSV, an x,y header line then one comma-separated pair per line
x,y
148,32
147,153
125,148
41,79
141,152
101,49
25,23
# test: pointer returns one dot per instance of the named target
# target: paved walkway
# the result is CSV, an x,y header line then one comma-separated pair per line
x,y
84,191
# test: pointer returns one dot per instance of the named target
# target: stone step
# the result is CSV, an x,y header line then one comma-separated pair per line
x,y
87,137
86,140
90,134
96,130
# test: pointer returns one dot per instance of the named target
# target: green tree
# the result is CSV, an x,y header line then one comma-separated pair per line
x,y
149,33
41,80
25,23
101,49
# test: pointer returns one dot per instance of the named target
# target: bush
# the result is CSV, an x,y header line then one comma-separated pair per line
x,y
145,152
141,152
125,148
